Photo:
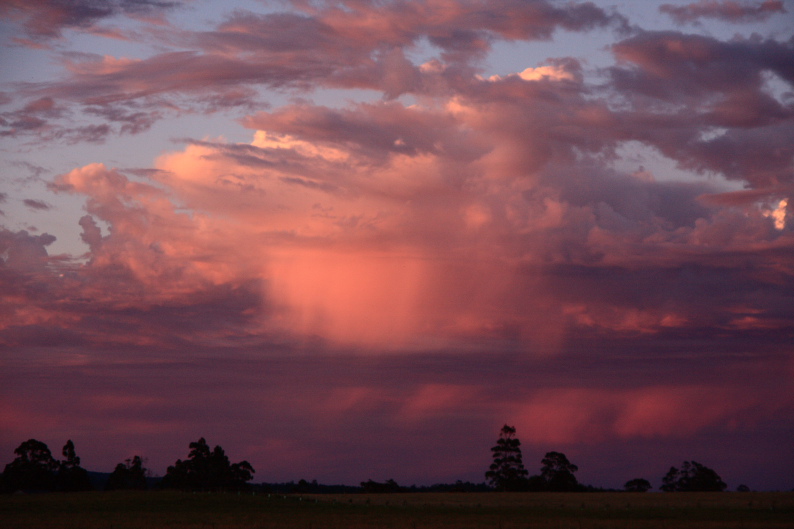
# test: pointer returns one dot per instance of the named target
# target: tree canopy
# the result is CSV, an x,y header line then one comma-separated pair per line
x,y
557,473
637,485
35,469
71,476
692,477
128,475
507,472
207,469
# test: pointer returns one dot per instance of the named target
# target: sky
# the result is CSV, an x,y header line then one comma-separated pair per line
x,y
351,239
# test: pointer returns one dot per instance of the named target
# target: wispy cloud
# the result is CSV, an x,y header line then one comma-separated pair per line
x,y
47,19
35,204
729,11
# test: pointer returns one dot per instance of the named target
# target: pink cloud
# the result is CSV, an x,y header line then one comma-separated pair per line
x,y
571,416
145,242
388,199
434,400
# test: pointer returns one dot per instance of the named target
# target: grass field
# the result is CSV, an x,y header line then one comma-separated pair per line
x,y
155,510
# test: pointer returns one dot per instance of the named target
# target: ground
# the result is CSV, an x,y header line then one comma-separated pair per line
x,y
152,510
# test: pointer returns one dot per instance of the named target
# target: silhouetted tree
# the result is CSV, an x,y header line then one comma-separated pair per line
x,y
128,475
507,472
692,477
637,485
207,470
557,473
742,488
33,469
71,476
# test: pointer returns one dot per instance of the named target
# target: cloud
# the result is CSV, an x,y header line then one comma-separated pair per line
x,y
724,81
568,416
390,219
555,73
727,11
46,20
33,117
324,46
371,131
487,211
700,63
406,206
360,408
131,122
457,25
35,204
779,214
22,251
153,247
91,235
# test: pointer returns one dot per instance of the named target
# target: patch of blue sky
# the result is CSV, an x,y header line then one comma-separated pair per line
x,y
591,49
19,64
23,180
633,157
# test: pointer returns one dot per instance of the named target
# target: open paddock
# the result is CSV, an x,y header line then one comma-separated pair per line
x,y
176,510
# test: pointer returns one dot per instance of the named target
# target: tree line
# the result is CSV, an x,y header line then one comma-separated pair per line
x,y
35,469
507,472
205,469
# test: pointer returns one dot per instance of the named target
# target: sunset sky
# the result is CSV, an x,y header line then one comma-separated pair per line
x,y
351,239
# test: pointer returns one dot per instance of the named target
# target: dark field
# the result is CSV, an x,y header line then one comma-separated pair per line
x,y
155,510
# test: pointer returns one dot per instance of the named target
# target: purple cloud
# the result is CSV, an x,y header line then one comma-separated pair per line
x,y
736,12
48,19
36,204
335,49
